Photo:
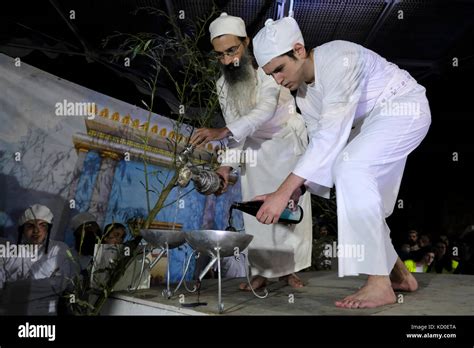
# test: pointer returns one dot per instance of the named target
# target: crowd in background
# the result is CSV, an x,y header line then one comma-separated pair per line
x,y
45,258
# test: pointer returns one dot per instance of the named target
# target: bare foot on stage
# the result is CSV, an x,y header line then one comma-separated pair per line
x,y
257,282
402,279
376,292
292,280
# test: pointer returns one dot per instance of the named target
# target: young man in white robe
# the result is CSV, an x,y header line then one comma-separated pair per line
x,y
260,118
364,116
44,258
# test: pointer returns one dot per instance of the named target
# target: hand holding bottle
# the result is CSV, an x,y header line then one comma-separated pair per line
x,y
276,202
272,208
288,216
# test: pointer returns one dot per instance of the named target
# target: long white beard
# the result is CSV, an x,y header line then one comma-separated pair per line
x,y
242,95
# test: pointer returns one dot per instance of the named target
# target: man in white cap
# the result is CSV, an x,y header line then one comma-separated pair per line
x,y
364,116
47,258
260,118
87,233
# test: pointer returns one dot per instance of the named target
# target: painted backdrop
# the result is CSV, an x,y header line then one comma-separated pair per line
x,y
74,150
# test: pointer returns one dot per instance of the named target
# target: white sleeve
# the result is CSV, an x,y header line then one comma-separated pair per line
x,y
340,75
246,125
55,262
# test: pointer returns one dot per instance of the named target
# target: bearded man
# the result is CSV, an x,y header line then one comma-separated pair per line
x,y
262,123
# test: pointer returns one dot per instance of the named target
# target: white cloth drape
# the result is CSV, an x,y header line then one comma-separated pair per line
x,y
277,134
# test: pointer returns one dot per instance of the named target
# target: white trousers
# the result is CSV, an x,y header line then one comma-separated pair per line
x,y
368,173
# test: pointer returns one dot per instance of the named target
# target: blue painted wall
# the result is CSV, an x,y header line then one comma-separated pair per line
x,y
127,200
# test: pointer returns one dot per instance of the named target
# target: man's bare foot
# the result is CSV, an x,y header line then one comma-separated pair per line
x,y
257,282
292,280
376,292
402,279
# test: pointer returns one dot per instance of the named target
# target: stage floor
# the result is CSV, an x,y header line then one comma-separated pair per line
x,y
438,294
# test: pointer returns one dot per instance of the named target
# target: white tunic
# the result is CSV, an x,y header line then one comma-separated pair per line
x,y
277,134
364,116
55,263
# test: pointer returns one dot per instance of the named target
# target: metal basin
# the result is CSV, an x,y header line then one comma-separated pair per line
x,y
159,238
207,240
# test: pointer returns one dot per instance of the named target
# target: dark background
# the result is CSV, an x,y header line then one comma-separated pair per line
x,y
437,192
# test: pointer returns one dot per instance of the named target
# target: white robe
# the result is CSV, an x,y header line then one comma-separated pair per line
x,y
56,263
276,132
364,116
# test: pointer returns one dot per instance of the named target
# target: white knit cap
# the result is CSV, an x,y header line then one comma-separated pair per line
x,y
81,219
36,212
276,38
225,24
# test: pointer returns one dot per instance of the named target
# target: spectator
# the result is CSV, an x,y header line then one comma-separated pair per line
x,y
424,241
86,234
404,251
114,233
323,249
466,248
443,262
421,265
323,231
46,259
444,238
412,240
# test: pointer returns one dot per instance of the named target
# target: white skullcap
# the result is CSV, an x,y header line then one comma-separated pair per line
x,y
36,212
225,24
81,219
276,38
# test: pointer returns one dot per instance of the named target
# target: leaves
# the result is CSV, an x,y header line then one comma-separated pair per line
x,y
176,58
144,103
146,45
